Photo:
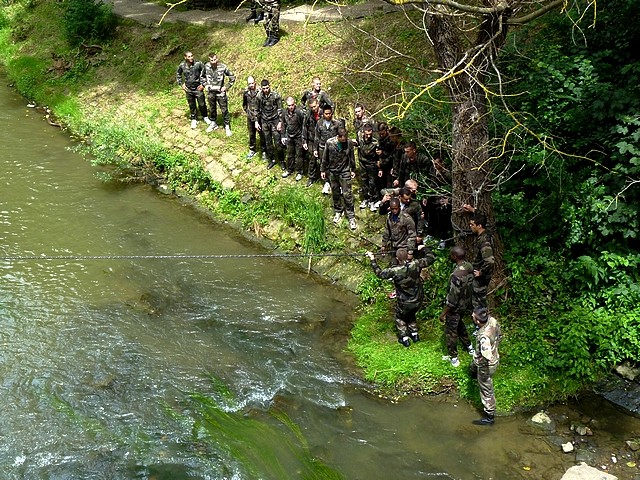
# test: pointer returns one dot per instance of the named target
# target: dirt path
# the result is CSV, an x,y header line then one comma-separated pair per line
x,y
151,13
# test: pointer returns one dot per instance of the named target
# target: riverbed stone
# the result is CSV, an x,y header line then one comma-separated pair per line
x,y
628,371
634,445
567,447
585,455
541,418
585,472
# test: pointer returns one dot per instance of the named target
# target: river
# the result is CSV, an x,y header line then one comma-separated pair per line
x,y
208,368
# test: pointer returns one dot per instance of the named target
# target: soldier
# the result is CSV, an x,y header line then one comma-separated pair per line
x,y
213,79
361,118
269,105
312,115
326,128
293,139
271,22
250,107
339,167
368,160
485,362
411,165
188,77
437,205
384,151
483,259
317,93
457,303
399,230
410,294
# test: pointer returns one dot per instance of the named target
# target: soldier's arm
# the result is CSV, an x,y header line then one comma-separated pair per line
x,y
411,231
352,157
179,75
245,103
487,259
232,78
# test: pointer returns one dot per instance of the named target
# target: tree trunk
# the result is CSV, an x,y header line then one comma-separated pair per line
x,y
471,168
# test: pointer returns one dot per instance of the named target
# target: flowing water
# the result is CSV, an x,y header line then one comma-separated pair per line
x,y
191,368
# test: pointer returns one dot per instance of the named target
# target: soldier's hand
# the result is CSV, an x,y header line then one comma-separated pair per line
x,y
370,255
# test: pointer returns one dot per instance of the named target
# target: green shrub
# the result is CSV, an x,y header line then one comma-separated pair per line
x,y
86,20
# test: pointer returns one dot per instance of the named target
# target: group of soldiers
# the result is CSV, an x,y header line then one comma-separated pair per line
x,y
310,137
467,291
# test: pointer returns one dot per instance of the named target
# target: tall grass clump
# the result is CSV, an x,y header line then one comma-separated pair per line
x,y
87,20
299,209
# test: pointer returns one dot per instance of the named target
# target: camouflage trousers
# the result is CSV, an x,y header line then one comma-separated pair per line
x,y
406,318
295,155
341,192
454,330
479,293
272,18
485,375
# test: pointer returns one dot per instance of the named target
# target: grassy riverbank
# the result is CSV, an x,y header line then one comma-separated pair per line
x,y
121,97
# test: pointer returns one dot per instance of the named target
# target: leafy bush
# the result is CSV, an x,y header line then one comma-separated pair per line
x,y
87,20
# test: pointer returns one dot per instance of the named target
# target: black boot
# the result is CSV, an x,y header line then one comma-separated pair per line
x,y
415,337
253,15
486,421
404,341
273,41
259,18
266,42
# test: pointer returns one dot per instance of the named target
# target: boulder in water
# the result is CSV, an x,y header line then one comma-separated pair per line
x,y
585,472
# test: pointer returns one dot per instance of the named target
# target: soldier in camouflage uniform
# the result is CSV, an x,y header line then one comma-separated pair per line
x,y
250,107
338,166
411,165
485,362
410,294
399,231
326,128
269,106
457,303
312,115
361,118
213,79
320,95
271,9
483,259
293,139
368,161
188,77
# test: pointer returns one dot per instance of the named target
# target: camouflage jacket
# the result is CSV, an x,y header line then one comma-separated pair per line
x,y
189,74
367,151
250,104
483,260
324,132
406,278
322,96
338,158
399,232
294,123
269,107
406,169
488,339
460,284
213,77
